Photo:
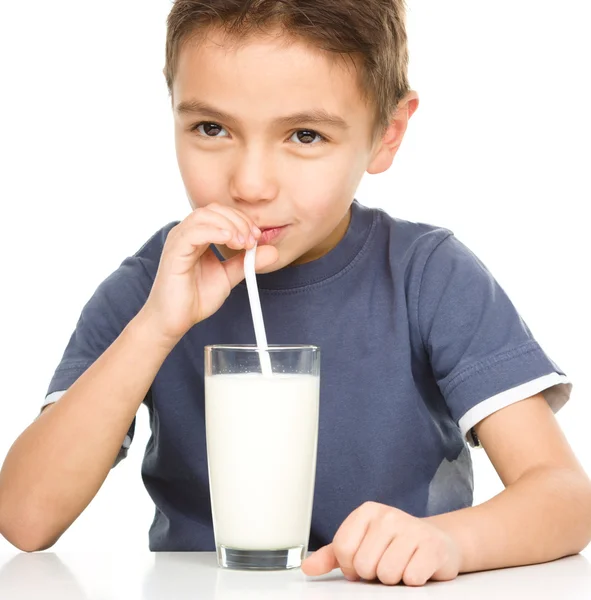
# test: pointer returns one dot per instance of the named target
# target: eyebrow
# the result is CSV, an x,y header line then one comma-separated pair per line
x,y
316,116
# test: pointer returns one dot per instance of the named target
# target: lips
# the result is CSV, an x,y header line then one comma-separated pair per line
x,y
270,234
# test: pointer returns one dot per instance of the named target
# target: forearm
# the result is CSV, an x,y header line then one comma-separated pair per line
x,y
57,465
544,515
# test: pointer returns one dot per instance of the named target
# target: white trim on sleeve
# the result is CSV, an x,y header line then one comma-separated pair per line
x,y
51,398
556,389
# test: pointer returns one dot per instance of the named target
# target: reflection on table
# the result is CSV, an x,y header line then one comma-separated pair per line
x,y
196,576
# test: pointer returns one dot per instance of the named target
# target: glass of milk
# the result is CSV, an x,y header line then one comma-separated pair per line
x,y
262,434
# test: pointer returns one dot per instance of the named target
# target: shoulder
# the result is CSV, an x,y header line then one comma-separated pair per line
x,y
143,264
411,243
148,256
128,286
428,261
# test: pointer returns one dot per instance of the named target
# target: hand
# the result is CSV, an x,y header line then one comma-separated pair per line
x,y
192,283
378,541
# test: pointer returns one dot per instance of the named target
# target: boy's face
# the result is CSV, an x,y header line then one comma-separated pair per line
x,y
278,131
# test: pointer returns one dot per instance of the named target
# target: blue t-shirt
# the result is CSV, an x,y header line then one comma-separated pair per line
x,y
419,343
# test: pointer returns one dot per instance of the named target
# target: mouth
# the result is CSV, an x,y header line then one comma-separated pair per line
x,y
272,234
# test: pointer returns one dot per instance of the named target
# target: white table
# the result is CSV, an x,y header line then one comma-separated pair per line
x,y
195,576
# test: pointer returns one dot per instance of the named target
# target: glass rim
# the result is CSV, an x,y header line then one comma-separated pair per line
x,y
255,348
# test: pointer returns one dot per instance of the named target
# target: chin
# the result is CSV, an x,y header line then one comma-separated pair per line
x,y
272,268
281,263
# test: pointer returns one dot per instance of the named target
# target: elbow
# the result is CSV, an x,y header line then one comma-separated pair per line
x,y
24,534
27,539
581,507
27,545
587,508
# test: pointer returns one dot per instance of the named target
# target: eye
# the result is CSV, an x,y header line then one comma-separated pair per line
x,y
208,129
307,137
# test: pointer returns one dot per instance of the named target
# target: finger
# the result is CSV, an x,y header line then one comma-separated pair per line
x,y
321,562
237,216
372,547
202,216
192,242
265,257
422,565
244,224
349,536
395,559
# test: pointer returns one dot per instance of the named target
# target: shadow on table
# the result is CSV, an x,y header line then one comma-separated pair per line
x,y
38,575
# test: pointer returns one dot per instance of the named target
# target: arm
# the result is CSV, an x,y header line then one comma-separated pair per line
x,y
58,464
545,511
543,514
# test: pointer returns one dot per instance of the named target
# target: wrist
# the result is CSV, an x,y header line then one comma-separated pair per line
x,y
145,327
454,525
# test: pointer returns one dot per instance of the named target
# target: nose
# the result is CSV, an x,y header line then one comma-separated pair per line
x,y
253,178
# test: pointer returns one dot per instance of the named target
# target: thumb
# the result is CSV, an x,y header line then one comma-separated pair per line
x,y
265,257
321,562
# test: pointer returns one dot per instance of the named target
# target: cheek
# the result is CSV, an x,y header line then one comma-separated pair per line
x,y
201,173
323,189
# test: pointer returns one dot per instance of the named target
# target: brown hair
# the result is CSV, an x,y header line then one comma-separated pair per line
x,y
371,31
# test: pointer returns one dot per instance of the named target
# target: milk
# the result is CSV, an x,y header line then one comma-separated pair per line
x,y
262,437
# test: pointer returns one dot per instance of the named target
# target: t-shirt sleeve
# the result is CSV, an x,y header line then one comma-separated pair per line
x,y
113,305
483,355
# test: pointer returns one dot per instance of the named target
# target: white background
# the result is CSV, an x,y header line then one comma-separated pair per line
x,y
498,152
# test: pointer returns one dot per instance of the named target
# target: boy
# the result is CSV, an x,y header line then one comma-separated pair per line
x,y
280,107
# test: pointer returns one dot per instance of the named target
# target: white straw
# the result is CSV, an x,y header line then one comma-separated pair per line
x,y
256,311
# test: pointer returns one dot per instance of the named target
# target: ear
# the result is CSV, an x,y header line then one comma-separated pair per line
x,y
386,148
